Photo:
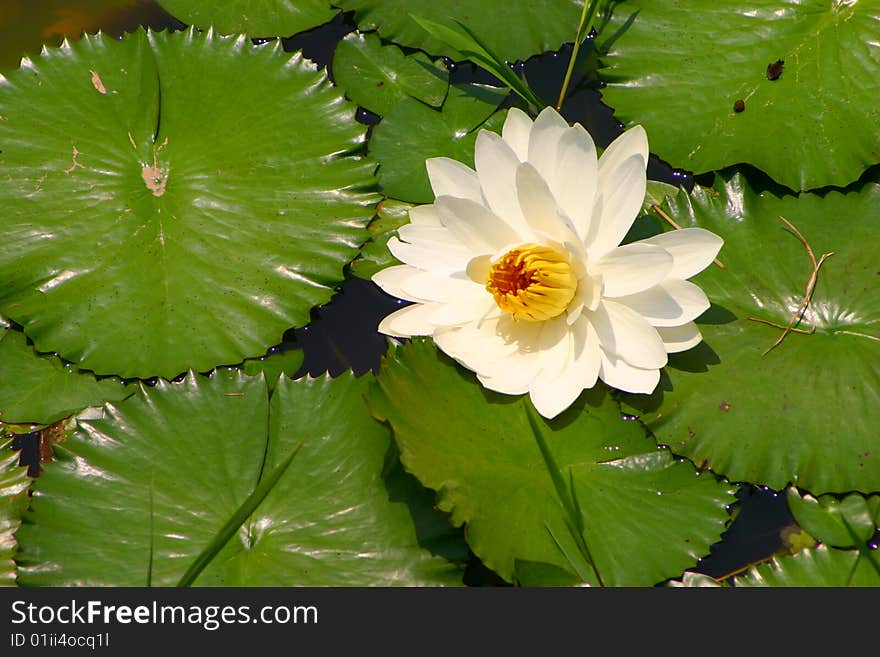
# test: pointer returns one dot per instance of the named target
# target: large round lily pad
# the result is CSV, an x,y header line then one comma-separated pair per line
x,y
678,69
512,30
211,483
807,411
588,487
257,18
173,201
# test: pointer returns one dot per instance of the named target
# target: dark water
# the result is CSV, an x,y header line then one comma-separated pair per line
x,y
343,333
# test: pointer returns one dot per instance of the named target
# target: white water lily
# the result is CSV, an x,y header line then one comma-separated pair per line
x,y
517,271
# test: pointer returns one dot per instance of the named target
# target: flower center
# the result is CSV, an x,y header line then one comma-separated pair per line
x,y
532,282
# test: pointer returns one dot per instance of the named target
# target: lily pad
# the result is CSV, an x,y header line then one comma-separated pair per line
x,y
211,482
412,132
645,515
173,201
378,77
513,30
284,358
848,522
42,389
257,18
822,566
14,483
678,69
374,255
807,411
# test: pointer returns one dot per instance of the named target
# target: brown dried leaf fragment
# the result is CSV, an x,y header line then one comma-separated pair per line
x,y
97,84
774,70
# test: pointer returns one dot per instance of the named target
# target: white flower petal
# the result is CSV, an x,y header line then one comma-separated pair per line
x,y
392,279
692,249
496,167
446,260
410,321
632,268
587,296
671,303
625,333
513,374
539,206
515,132
428,286
555,346
424,215
574,184
618,201
632,142
462,311
544,141
452,178
551,395
474,225
621,375
512,361
588,352
478,269
514,382
680,338
429,236
473,344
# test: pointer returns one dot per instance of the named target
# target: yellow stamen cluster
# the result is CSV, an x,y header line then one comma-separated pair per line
x,y
532,282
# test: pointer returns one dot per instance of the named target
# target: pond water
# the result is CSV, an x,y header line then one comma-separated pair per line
x,y
343,333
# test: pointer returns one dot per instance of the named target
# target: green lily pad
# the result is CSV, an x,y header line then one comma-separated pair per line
x,y
374,255
412,132
378,77
173,201
285,359
806,412
679,68
513,31
822,566
211,479
41,389
645,515
257,18
846,523
14,483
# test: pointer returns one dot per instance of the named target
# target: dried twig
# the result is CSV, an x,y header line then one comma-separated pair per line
x,y
808,291
812,329
656,208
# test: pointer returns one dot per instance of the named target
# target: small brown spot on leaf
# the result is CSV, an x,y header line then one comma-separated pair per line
x,y
155,178
724,406
774,70
692,433
49,436
739,105
75,164
97,84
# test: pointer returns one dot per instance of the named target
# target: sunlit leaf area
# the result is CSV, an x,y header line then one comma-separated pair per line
x,y
439,293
